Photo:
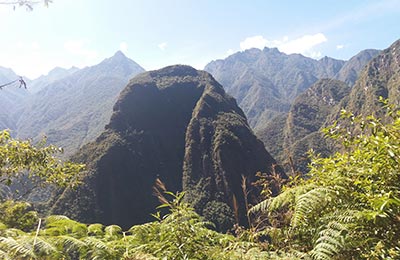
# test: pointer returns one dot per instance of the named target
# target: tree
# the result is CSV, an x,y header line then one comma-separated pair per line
x,y
348,206
18,157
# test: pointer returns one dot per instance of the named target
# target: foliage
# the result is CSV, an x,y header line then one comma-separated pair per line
x,y
18,156
18,214
348,207
179,234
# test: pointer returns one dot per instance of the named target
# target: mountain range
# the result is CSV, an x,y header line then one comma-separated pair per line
x,y
70,107
265,82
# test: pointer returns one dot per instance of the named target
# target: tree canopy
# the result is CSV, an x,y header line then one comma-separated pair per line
x,y
40,162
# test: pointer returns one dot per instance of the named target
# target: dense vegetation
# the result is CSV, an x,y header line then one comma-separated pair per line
x,y
348,207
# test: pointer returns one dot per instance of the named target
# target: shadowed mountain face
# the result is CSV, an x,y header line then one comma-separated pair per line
x,y
74,106
178,125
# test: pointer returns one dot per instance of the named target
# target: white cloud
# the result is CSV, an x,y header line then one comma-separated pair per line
x,y
78,47
162,46
303,45
123,46
254,42
339,47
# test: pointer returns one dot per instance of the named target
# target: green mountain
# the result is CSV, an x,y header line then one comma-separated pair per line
x,y
176,124
74,106
265,82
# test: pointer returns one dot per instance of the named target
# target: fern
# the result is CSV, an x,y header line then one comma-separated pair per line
x,y
17,247
288,197
309,204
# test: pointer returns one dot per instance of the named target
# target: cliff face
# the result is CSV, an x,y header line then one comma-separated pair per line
x,y
178,125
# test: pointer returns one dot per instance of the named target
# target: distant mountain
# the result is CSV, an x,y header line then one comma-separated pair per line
x,y
351,69
265,82
378,74
176,124
11,99
54,75
73,109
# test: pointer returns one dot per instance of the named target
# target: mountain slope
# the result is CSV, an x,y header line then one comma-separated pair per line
x,y
12,98
307,116
320,105
54,75
351,69
381,77
74,109
266,82
176,124
292,134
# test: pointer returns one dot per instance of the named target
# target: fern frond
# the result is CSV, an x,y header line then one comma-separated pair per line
x,y
69,244
54,218
288,197
330,241
44,246
113,232
17,247
309,203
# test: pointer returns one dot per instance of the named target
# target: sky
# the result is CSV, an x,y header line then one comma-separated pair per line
x,y
160,33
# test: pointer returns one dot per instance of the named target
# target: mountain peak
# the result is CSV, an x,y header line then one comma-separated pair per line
x,y
119,53
118,57
118,64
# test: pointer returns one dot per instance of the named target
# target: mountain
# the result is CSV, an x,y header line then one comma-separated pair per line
x,y
74,109
265,82
381,77
55,74
307,115
176,124
351,69
11,99
378,74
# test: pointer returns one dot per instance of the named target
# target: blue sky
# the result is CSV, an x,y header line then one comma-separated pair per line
x,y
160,33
